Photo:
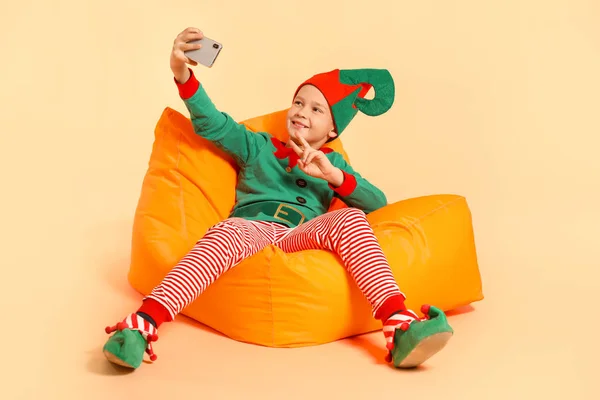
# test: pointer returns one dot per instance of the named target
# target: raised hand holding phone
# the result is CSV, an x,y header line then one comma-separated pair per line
x,y
193,48
207,53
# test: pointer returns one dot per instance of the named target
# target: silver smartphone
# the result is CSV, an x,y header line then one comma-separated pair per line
x,y
207,54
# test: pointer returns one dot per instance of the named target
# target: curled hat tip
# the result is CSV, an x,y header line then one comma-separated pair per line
x,y
383,84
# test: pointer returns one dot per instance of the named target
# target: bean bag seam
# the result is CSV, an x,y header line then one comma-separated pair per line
x,y
179,173
442,206
181,193
420,218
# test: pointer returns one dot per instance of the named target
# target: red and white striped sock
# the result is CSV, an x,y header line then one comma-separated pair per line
x,y
395,322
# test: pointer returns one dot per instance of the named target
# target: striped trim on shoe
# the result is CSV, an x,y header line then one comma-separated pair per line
x,y
399,320
137,323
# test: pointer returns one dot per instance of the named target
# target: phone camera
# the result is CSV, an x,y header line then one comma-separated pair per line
x,y
216,46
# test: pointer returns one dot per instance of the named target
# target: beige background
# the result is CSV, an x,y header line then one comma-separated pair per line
x,y
497,101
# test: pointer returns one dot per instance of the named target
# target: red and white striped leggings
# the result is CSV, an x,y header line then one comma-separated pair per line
x,y
345,232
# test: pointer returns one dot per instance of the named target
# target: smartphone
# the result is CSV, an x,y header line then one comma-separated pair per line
x,y
207,54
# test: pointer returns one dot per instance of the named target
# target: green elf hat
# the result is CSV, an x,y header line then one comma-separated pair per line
x,y
345,91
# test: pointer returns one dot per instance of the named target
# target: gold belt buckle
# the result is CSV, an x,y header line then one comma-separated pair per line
x,y
281,211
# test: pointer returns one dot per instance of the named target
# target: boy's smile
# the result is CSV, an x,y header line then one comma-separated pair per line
x,y
310,117
299,124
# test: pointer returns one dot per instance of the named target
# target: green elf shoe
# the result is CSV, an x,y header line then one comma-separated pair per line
x,y
418,341
132,339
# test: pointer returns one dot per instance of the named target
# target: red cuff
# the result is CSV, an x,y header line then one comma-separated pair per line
x,y
347,186
189,88
392,305
156,311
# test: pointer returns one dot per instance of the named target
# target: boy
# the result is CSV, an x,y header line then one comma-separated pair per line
x,y
283,195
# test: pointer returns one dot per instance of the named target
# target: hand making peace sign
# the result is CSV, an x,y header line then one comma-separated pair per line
x,y
313,162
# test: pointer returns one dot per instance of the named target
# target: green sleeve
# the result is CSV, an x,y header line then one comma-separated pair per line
x,y
356,191
219,127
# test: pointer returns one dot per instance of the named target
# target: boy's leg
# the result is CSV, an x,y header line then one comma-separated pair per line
x,y
348,233
224,246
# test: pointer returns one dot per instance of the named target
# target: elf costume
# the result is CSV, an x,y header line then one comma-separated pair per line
x,y
278,204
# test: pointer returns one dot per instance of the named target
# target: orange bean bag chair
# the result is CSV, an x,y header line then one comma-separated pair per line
x,y
299,299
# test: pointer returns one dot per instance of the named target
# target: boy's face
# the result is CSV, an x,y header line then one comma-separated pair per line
x,y
310,118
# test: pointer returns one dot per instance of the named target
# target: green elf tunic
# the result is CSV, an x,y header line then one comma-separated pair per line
x,y
270,185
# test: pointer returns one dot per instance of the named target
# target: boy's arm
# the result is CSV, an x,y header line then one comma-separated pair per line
x,y
355,190
216,126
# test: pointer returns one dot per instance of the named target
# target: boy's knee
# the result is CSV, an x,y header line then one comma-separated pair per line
x,y
230,225
351,213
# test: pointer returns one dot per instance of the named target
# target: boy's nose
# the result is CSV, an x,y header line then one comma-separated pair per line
x,y
300,113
